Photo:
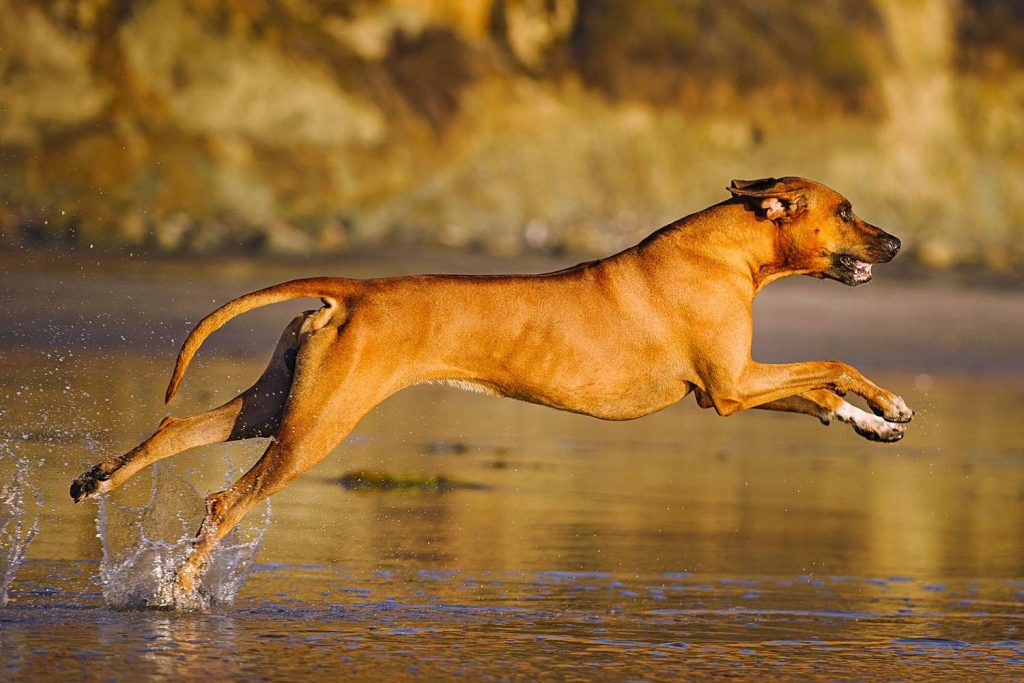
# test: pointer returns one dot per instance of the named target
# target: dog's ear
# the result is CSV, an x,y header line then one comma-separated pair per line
x,y
780,201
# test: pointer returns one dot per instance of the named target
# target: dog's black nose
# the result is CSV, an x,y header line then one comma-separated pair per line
x,y
894,244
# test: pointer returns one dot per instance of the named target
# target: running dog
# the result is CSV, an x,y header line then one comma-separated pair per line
x,y
617,338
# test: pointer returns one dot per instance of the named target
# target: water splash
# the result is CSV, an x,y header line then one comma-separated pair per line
x,y
16,533
144,545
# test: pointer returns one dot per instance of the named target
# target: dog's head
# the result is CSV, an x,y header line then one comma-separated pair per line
x,y
818,233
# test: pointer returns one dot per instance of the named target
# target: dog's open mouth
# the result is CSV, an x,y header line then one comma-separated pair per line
x,y
860,269
850,270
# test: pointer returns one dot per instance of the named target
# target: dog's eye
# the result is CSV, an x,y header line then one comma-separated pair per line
x,y
845,214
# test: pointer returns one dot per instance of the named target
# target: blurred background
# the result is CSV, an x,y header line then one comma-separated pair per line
x,y
305,127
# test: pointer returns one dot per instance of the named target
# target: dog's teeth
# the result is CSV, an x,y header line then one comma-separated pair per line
x,y
861,269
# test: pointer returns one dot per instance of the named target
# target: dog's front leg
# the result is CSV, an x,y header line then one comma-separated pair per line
x,y
827,406
759,383
819,403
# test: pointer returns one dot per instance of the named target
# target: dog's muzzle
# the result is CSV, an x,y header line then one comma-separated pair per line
x,y
855,270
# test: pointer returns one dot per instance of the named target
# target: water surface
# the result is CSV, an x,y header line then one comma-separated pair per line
x,y
681,543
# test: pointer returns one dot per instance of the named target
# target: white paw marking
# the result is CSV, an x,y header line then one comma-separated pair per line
x,y
865,422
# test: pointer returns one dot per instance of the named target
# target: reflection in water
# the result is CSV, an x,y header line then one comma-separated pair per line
x,y
19,522
144,545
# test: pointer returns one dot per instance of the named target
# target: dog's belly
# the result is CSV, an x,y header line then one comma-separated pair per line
x,y
627,405
640,395
614,402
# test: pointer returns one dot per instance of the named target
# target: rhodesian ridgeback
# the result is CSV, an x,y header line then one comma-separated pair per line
x,y
616,338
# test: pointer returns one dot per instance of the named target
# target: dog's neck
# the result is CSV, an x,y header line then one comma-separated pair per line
x,y
731,234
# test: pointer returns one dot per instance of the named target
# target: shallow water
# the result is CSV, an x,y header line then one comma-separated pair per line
x,y
678,544
682,542
299,619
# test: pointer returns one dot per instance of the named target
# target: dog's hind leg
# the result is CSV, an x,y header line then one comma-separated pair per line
x,y
336,383
255,412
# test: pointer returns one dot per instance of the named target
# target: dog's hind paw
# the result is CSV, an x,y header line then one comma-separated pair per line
x,y
91,484
888,432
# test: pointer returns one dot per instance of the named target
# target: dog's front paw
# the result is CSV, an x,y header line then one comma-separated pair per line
x,y
893,409
91,484
869,426
881,430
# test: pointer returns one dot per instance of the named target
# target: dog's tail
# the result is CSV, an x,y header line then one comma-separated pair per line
x,y
324,288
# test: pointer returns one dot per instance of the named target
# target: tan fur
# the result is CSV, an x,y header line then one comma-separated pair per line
x,y
616,338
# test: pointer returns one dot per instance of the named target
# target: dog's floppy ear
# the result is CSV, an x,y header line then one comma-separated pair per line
x,y
780,200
